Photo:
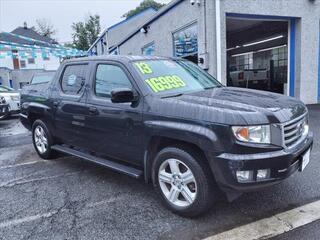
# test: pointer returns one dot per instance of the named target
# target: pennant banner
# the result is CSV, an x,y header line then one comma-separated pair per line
x,y
13,50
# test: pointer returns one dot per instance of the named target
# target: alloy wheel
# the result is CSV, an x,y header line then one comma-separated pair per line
x,y
40,139
177,182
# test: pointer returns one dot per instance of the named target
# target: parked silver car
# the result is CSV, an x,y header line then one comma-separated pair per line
x,y
12,99
3,107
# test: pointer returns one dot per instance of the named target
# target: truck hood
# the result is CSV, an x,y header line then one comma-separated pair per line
x,y
232,106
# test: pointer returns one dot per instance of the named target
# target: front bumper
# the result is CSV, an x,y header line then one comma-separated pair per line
x,y
4,109
282,164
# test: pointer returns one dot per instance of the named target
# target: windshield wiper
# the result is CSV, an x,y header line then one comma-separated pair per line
x,y
176,95
218,86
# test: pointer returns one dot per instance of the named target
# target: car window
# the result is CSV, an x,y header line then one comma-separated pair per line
x,y
42,78
74,78
109,77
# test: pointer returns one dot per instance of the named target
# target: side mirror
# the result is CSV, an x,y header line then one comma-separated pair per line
x,y
122,95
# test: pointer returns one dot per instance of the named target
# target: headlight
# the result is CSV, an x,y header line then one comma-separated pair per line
x,y
253,134
2,100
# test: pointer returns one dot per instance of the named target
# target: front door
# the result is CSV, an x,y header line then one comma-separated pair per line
x,y
115,128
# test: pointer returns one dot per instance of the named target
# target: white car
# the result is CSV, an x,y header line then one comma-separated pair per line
x,y
12,98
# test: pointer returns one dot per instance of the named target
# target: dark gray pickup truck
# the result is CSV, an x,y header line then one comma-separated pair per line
x,y
169,122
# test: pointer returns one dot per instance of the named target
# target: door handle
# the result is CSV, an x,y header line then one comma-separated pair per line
x,y
93,111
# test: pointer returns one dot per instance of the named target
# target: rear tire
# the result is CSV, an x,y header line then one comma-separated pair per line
x,y
183,181
42,140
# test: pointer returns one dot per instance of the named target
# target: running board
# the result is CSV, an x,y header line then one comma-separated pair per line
x,y
118,167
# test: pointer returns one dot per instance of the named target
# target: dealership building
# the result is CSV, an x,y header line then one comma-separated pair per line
x,y
272,45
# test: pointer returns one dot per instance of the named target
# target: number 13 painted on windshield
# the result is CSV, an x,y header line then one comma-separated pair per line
x,y
144,68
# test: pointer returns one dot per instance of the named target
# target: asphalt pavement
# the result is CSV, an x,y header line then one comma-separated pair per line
x,y
68,198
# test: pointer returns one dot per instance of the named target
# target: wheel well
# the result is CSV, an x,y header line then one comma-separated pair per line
x,y
157,143
32,117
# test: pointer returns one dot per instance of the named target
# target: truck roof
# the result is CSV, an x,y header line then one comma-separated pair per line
x,y
120,58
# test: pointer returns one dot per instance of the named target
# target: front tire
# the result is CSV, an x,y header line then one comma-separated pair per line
x,y
183,181
42,140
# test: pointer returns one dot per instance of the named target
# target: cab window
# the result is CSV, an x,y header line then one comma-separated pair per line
x,y
73,79
108,78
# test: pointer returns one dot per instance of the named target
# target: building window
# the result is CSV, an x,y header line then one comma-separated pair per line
x,y
31,61
185,41
23,63
241,62
73,79
149,49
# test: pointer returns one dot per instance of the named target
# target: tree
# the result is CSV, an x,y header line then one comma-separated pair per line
x,y
143,5
68,45
85,33
45,28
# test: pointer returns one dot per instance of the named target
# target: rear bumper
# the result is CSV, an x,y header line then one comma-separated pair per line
x,y
282,164
25,121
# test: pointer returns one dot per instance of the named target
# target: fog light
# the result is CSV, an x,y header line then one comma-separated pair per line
x,y
244,176
263,174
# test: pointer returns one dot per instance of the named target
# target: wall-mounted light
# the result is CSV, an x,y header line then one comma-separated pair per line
x,y
229,49
241,54
263,41
272,48
260,50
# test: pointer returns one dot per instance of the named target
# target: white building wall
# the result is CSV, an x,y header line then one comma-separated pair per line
x,y
51,64
162,29
6,62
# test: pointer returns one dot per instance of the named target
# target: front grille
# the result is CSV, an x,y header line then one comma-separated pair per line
x,y
293,130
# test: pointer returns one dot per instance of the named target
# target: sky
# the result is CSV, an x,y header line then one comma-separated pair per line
x,y
62,13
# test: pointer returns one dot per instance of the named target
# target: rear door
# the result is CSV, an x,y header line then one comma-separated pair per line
x,y
115,128
69,102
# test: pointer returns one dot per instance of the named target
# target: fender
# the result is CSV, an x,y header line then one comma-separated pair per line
x,y
202,136
33,110
38,105
37,108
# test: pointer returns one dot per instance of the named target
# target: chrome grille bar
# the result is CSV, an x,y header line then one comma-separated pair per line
x,y
293,131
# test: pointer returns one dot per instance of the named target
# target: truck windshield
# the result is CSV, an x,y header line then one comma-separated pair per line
x,y
172,77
